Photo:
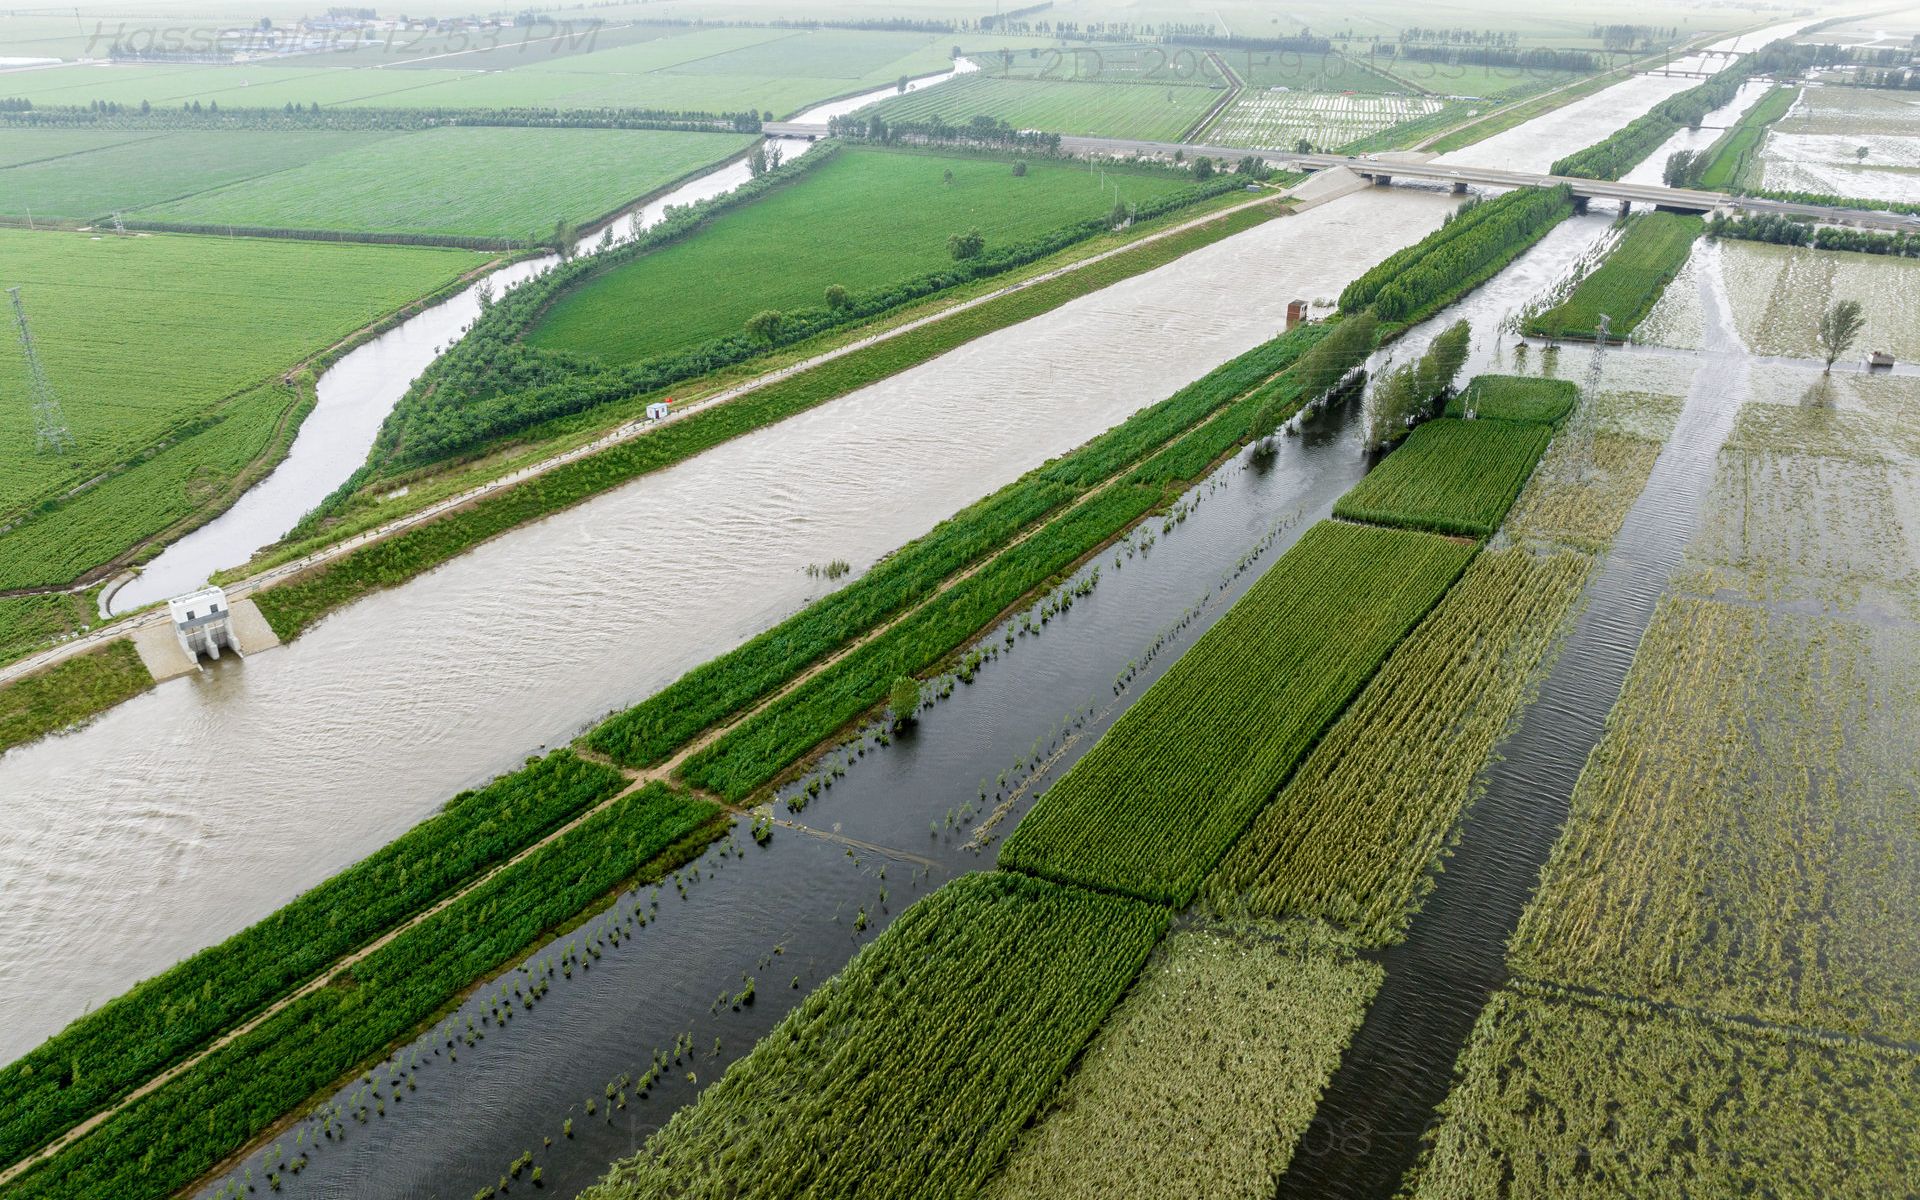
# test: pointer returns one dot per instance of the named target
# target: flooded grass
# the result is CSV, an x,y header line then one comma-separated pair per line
x,y
1355,835
1566,1095
1205,1076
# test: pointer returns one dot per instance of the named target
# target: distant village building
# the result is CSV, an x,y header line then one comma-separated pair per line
x,y
658,410
1296,313
203,622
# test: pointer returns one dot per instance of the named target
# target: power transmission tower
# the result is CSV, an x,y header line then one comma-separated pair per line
x,y
118,227
50,432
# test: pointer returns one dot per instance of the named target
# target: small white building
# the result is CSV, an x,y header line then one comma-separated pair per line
x,y
203,622
658,410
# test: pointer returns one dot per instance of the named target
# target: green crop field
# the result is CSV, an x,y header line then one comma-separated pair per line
x,y
1530,399
1354,835
20,146
1148,111
1628,284
1224,1043
716,69
122,174
156,339
1733,154
482,182
1558,1092
1450,476
821,230
1169,788
919,1063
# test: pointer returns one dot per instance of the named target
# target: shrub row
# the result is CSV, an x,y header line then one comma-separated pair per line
x,y
110,1051
753,754
1173,783
293,606
172,1136
1477,242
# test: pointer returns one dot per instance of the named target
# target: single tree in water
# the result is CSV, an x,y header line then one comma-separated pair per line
x,y
904,700
1839,328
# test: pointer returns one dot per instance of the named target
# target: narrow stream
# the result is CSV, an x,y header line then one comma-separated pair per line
x,y
355,395
1380,1101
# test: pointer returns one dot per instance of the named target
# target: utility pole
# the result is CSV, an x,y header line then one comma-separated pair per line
x,y
50,432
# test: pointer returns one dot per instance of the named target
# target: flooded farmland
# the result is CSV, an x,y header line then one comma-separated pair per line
x,y
378,715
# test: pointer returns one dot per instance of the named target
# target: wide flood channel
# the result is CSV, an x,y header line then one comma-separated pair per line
x,y
354,396
199,807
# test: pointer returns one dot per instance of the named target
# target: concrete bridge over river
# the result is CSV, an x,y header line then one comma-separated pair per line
x,y
1385,168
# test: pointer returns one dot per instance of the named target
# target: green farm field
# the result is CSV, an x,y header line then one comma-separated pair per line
x,y
822,231
1129,110
1629,283
1173,783
153,339
1453,477
118,172
480,182
711,69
